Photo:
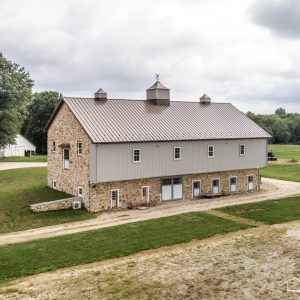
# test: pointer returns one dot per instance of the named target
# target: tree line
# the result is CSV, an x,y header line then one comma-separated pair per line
x,y
21,110
284,127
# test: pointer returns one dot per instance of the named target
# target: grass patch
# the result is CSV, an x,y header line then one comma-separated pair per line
x,y
49,254
35,158
285,151
289,172
21,187
269,212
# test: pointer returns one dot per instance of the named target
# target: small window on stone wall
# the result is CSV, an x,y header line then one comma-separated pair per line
x,y
79,191
53,146
79,148
54,184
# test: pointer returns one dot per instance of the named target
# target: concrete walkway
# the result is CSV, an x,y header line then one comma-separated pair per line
x,y
271,189
19,165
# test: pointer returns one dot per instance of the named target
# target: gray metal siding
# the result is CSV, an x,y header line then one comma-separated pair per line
x,y
114,161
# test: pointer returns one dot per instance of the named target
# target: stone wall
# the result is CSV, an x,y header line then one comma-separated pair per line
x,y
130,193
65,129
54,205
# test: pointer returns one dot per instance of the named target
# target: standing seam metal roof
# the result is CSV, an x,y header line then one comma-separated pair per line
x,y
121,120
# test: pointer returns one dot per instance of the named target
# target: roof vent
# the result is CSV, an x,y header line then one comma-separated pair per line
x,y
158,93
100,95
205,99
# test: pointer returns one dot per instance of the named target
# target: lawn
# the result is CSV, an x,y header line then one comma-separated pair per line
x,y
290,172
49,254
35,158
285,151
269,212
21,187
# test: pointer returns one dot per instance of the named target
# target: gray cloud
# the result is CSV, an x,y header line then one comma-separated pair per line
x,y
281,16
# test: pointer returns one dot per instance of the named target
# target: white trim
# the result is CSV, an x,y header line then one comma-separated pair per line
x,y
177,147
213,150
235,184
196,180
248,182
79,194
240,145
118,198
219,191
148,190
54,184
136,161
79,142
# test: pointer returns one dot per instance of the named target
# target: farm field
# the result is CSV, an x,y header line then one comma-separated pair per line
x,y
21,187
34,158
283,169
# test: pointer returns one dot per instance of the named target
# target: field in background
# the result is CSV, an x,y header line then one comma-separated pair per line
x,y
283,169
21,187
34,158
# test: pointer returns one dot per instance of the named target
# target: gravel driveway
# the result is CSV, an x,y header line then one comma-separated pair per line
x,y
270,189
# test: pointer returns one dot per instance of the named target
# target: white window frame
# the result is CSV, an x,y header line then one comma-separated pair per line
x,y
174,153
235,183
78,193
136,161
242,154
219,185
63,155
54,184
213,151
148,192
53,146
79,148
118,198
196,180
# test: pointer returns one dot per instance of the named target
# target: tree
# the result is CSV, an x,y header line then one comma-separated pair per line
x,y
15,95
40,111
280,112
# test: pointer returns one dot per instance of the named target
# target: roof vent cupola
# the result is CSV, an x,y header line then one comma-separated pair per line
x,y
101,95
205,99
158,93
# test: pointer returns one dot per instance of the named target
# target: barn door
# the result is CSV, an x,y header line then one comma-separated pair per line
x,y
177,188
232,184
216,186
166,189
250,183
196,188
145,195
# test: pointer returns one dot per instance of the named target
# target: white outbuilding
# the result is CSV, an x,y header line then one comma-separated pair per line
x,y
22,147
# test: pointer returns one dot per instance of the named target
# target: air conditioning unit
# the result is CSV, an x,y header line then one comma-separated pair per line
x,y
76,204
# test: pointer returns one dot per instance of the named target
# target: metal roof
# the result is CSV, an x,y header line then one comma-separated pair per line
x,y
158,85
120,120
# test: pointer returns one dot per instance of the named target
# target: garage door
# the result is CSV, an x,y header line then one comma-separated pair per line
x,y
171,188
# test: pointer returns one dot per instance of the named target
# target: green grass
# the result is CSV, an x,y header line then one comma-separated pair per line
x,y
49,254
269,212
21,187
285,151
289,172
36,158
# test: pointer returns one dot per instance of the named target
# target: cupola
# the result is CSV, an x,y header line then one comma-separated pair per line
x,y
101,95
158,93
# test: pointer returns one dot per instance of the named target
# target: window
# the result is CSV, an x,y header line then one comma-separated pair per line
x,y
114,198
211,151
66,159
79,148
79,191
53,146
136,155
54,184
177,153
242,150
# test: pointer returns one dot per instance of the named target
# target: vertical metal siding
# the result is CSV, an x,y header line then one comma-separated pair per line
x,y
114,161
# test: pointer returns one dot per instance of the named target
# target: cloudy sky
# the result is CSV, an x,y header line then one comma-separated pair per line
x,y
245,52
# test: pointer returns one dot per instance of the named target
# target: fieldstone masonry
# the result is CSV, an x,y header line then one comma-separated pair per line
x,y
54,205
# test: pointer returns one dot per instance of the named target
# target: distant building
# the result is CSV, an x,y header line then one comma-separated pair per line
x,y
123,153
22,147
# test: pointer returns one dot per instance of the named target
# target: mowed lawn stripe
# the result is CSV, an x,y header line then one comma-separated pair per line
x,y
290,172
49,254
268,212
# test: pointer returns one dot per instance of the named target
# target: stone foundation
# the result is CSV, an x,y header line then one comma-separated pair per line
x,y
130,191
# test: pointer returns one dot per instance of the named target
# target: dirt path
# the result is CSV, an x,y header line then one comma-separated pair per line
x,y
19,165
252,264
271,188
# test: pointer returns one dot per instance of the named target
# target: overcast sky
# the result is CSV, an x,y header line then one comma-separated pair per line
x,y
245,52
